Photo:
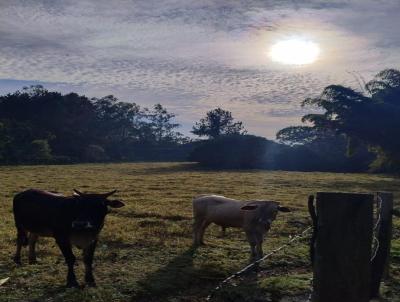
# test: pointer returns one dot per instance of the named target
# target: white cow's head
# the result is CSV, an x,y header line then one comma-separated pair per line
x,y
264,211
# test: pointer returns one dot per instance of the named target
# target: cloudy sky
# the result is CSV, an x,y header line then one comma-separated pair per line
x,y
195,55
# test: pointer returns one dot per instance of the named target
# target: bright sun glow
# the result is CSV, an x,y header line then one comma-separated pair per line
x,y
295,52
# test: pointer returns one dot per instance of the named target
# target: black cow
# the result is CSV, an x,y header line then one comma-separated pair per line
x,y
71,220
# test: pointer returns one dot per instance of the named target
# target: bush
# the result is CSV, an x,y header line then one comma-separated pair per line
x,y
40,151
234,152
253,152
95,153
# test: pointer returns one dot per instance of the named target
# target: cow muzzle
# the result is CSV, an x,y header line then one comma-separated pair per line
x,y
265,223
82,225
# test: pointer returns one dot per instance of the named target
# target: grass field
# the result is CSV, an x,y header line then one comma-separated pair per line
x,y
144,252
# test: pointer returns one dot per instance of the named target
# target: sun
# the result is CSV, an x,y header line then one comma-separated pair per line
x,y
294,52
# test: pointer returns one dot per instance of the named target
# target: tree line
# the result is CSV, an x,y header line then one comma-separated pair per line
x,y
41,126
354,130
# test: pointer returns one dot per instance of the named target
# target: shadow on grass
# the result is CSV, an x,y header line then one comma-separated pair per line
x,y
190,167
174,168
246,288
50,291
171,280
134,214
177,279
181,280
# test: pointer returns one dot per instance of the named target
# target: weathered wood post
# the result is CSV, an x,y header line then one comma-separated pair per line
x,y
380,264
342,269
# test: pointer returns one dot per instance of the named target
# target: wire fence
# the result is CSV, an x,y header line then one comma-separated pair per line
x,y
291,241
295,238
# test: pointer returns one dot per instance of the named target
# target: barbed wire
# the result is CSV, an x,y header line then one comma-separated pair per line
x,y
292,239
375,240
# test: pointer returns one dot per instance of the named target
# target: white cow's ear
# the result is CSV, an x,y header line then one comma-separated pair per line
x,y
249,207
115,203
283,209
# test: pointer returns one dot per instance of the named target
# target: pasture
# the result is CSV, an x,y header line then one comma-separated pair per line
x,y
144,251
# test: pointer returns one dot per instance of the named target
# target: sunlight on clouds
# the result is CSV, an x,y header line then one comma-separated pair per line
x,y
294,51
193,56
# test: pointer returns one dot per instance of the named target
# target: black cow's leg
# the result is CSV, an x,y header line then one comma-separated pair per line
x,y
17,256
21,241
88,260
65,246
32,254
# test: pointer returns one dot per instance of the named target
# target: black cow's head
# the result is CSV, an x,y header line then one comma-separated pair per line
x,y
264,211
91,209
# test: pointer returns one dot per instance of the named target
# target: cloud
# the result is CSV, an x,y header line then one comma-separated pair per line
x,y
195,55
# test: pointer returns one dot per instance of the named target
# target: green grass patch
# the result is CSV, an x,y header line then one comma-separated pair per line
x,y
144,251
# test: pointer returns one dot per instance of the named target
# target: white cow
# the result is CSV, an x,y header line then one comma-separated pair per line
x,y
254,217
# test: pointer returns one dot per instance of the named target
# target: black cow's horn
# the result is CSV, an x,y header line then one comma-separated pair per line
x,y
109,193
77,192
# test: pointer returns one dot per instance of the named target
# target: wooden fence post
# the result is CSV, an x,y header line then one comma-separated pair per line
x,y
342,269
380,264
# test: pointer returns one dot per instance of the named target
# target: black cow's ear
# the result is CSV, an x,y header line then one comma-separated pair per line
x,y
283,209
249,207
115,203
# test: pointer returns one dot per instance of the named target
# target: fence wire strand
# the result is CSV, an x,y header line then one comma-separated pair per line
x,y
292,239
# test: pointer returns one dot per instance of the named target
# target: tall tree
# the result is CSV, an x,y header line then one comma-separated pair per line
x,y
117,119
218,122
370,117
162,125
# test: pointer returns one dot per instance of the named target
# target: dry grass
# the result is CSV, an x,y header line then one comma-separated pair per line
x,y
144,252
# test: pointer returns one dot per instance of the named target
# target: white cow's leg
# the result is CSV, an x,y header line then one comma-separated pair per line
x,y
253,242
202,229
196,230
32,242
259,239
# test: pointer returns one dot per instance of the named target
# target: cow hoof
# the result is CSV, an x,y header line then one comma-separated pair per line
x,y
33,261
91,284
198,244
72,284
17,261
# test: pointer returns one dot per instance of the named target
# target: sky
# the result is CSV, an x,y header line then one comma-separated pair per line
x,y
195,55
